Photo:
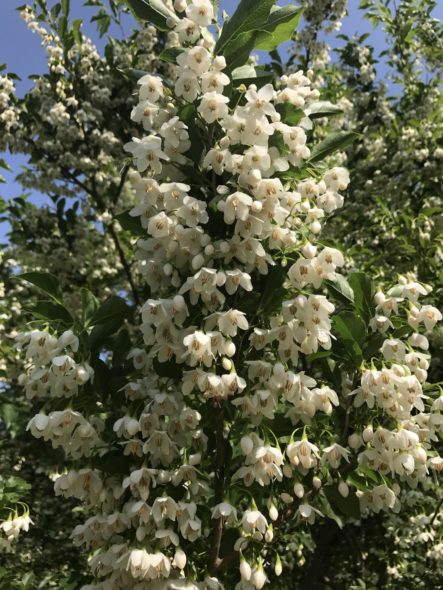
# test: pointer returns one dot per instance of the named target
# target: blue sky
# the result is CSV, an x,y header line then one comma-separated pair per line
x,y
21,50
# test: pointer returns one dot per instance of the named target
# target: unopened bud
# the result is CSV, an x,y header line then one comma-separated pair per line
x,y
246,445
343,489
299,490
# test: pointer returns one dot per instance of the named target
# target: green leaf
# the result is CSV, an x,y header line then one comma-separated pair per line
x,y
350,327
188,114
102,331
290,114
238,50
112,309
103,22
341,289
45,281
62,27
323,109
170,54
65,7
76,26
332,143
248,74
364,290
280,27
153,11
130,223
48,310
90,304
237,38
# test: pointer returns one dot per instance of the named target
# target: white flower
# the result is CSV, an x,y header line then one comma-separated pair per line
x,y
187,30
259,102
214,81
187,85
225,511
303,452
160,225
213,106
236,206
252,521
337,179
147,153
429,315
230,321
198,59
151,88
199,348
201,12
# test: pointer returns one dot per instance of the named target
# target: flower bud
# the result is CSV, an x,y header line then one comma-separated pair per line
x,y
309,250
230,349
273,512
299,490
180,5
179,302
355,441
316,482
245,569
368,433
343,489
180,559
226,364
259,577
315,227
197,262
246,445
278,568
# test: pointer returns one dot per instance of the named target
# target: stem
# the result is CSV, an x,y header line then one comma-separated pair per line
x,y
124,263
219,481
436,511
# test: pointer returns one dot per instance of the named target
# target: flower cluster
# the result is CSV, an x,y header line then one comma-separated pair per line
x,y
224,392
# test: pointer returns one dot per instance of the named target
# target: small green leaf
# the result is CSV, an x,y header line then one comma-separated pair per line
x,y
280,27
45,281
332,143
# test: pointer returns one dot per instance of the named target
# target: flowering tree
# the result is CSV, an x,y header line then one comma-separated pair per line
x,y
247,389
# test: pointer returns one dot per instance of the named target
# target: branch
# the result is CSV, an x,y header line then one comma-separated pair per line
x,y
436,511
219,481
